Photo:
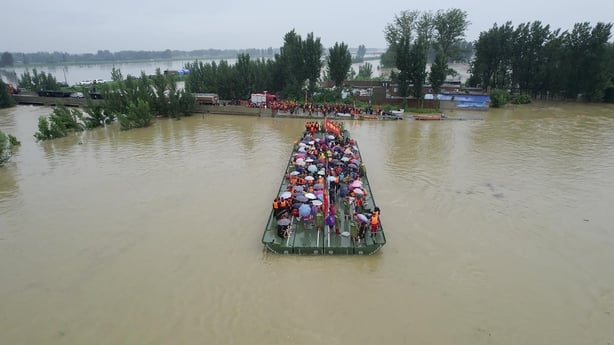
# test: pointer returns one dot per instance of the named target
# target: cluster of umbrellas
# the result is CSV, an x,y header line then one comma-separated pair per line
x,y
305,161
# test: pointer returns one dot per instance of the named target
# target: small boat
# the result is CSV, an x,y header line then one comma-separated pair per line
x,y
302,221
348,115
369,117
427,117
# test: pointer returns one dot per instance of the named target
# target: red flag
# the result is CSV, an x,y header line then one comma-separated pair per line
x,y
325,202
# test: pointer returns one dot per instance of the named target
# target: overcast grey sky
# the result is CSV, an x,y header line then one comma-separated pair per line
x,y
88,26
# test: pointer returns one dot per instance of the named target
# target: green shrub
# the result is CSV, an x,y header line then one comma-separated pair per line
x,y
7,142
61,122
522,99
499,98
138,115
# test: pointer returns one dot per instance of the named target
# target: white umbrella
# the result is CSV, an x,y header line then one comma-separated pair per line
x,y
316,203
309,178
294,173
311,196
285,195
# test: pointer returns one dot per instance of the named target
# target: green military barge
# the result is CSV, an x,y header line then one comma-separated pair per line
x,y
324,205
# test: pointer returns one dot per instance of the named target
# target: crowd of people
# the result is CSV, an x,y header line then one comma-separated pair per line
x,y
324,186
326,109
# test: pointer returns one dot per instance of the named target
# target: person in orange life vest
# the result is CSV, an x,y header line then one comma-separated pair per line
x,y
283,204
276,204
374,222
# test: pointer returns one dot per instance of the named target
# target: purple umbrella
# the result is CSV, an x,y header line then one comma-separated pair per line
x,y
363,218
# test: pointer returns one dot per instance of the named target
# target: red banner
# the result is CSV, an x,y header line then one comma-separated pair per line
x,y
332,127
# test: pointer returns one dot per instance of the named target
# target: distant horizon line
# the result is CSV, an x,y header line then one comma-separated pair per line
x,y
171,50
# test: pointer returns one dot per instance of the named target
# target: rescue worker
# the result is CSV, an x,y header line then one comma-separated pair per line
x,y
374,222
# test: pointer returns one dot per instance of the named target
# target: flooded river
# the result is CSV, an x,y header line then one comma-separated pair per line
x,y
499,232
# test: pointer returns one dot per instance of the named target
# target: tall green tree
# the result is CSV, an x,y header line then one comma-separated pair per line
x,y
449,29
360,53
585,48
38,81
410,37
312,60
365,71
537,61
6,60
339,61
439,71
399,35
246,77
491,66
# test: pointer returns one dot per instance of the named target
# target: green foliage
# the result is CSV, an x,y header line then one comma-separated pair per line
x,y
38,81
327,96
521,99
365,71
6,99
538,61
138,115
360,54
7,142
6,60
499,98
47,58
338,62
61,122
96,114
123,98
236,81
412,37
438,71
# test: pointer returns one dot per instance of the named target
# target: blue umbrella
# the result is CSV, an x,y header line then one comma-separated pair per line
x,y
304,210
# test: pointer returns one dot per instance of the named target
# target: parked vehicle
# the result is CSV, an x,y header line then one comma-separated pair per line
x,y
263,99
207,98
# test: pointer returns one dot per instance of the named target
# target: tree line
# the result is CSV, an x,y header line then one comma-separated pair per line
x,y
8,59
535,60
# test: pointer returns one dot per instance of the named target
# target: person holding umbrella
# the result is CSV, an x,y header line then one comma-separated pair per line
x,y
283,227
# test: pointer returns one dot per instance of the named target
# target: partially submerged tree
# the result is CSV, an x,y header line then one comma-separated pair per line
x,y
365,71
7,143
60,123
